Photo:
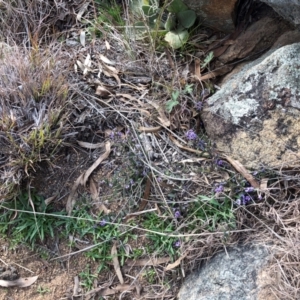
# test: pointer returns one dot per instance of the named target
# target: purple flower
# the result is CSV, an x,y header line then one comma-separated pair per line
x,y
249,189
177,244
220,162
199,105
177,214
243,200
219,189
102,223
191,135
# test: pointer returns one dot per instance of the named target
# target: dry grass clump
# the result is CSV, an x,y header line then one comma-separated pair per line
x,y
275,223
33,111
21,21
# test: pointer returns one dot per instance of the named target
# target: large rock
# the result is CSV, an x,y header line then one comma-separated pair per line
x,y
288,9
255,116
238,274
215,13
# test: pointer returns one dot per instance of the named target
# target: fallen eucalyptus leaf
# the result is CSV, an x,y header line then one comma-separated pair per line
x,y
21,282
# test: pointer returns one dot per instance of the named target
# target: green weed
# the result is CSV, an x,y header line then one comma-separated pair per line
x,y
87,278
25,226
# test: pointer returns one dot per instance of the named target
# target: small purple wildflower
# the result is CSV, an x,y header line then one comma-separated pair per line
x,y
177,214
199,105
191,135
219,189
243,200
102,223
177,244
220,162
112,135
249,189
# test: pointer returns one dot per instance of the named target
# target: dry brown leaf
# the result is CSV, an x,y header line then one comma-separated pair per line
x,y
146,194
243,171
102,92
139,88
114,254
116,289
50,199
82,10
106,60
95,195
129,97
76,286
147,262
150,129
90,145
102,157
93,189
197,69
217,72
107,45
21,282
175,263
82,38
205,154
82,179
162,116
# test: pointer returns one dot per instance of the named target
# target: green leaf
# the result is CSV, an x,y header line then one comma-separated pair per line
x,y
186,18
177,39
177,6
171,22
171,104
151,13
188,89
207,59
175,95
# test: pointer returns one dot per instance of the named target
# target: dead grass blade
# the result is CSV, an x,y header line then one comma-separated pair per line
x,y
21,282
175,263
117,289
147,262
90,145
150,129
243,171
202,153
83,178
114,254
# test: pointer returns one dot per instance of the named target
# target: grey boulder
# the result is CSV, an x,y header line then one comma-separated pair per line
x,y
255,116
238,274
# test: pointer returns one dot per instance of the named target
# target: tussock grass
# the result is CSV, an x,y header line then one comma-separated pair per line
x,y
33,111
